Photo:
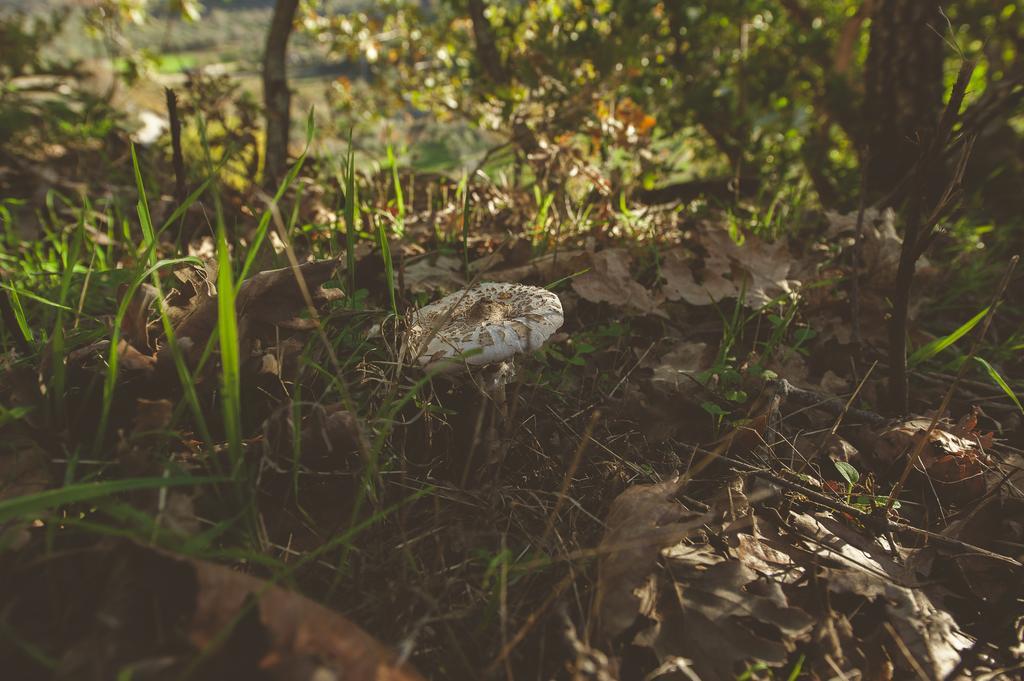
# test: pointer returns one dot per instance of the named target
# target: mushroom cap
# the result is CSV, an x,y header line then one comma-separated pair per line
x,y
499,320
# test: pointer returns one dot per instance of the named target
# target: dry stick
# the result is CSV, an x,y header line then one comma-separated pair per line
x,y
853,397
178,159
923,438
918,233
569,474
857,262
808,399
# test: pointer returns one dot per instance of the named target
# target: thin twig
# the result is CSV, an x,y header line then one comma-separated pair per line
x,y
177,158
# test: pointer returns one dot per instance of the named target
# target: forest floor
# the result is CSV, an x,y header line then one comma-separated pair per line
x,y
208,406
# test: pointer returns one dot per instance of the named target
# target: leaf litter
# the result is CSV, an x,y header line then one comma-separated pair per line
x,y
718,552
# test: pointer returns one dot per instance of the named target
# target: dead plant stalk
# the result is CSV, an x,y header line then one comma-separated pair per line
x,y
925,207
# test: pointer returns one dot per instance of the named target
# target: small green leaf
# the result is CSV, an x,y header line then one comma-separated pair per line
x,y
736,395
713,409
848,472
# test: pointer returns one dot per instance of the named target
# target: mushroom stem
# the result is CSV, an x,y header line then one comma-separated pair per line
x,y
497,440
490,433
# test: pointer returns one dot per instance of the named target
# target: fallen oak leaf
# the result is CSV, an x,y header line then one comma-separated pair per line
x,y
437,272
859,566
708,618
186,617
756,269
298,628
268,297
954,464
609,281
642,520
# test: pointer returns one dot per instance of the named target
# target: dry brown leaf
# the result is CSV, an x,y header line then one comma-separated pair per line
x,y
705,287
152,415
298,629
862,567
135,324
24,469
130,359
543,270
269,297
717,600
149,609
642,520
955,465
438,272
759,269
677,370
609,281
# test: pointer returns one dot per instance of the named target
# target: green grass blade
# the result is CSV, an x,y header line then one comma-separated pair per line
x,y
994,375
85,491
399,197
227,327
19,314
389,270
264,223
36,298
351,218
929,350
145,219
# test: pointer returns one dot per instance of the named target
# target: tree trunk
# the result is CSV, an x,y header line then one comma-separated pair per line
x,y
486,50
276,97
903,88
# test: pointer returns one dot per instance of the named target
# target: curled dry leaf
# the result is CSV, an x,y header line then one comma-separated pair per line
x,y
954,464
723,616
756,268
860,567
609,281
437,272
688,601
149,609
270,297
642,520
135,325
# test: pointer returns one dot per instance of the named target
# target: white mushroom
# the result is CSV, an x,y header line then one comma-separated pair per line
x,y
485,327
487,324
